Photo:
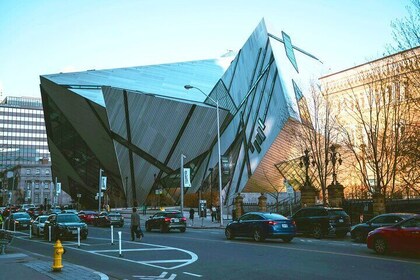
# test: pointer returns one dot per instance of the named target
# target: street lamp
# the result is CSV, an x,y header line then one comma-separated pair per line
x,y
335,156
188,87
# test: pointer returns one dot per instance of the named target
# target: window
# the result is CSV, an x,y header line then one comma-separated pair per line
x,y
37,171
28,172
36,185
47,172
46,185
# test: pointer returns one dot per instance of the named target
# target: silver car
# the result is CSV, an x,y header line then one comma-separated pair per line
x,y
38,225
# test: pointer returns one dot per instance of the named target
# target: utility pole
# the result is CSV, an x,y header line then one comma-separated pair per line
x,y
182,183
100,190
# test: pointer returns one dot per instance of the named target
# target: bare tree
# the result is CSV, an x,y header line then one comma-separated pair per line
x,y
406,31
317,133
379,110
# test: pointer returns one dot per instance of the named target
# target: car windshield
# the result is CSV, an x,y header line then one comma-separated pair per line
x,y
173,215
273,216
114,215
21,215
67,219
43,219
337,212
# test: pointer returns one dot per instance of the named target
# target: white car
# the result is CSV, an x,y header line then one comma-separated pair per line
x,y
38,225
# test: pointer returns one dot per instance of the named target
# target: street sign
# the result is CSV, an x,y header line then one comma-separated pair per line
x,y
58,187
187,182
103,186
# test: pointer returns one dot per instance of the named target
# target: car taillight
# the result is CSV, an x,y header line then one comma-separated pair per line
x,y
294,223
183,219
167,220
272,223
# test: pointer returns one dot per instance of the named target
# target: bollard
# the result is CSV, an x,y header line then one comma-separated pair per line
x,y
14,226
49,233
78,237
57,259
30,231
119,241
112,235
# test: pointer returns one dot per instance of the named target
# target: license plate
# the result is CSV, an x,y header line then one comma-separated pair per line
x,y
284,225
341,220
175,220
74,231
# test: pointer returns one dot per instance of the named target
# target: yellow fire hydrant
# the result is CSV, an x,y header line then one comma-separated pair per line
x,y
58,252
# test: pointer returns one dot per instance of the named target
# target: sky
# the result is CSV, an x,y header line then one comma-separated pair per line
x,y
40,37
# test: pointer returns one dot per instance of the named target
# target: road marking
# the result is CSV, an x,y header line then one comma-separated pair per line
x,y
192,274
161,276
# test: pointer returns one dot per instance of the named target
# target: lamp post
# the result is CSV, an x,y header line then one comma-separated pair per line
x,y
182,183
100,189
305,161
187,87
335,156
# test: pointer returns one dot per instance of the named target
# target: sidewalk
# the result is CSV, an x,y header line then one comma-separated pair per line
x,y
17,265
199,223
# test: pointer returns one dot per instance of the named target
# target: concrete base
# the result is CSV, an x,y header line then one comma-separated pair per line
x,y
335,195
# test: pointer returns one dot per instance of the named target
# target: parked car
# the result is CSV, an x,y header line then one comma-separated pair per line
x,y
22,220
320,221
167,220
403,236
54,210
359,232
261,225
25,207
38,225
87,216
35,212
108,218
71,211
64,225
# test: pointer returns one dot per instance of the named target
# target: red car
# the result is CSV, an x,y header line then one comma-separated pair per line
x,y
403,237
87,216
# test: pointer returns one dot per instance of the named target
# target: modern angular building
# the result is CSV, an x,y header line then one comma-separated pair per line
x,y
135,123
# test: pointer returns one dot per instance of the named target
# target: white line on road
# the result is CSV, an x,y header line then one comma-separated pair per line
x,y
192,274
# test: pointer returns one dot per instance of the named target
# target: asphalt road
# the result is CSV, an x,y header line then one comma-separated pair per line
x,y
206,254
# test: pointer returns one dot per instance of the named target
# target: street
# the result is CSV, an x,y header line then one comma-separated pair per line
x,y
205,253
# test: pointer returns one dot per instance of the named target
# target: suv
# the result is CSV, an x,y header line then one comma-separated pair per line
x,y
108,219
321,221
167,220
64,225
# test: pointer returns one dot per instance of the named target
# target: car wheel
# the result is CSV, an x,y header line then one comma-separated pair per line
x,y
380,246
287,239
148,227
317,232
182,229
258,236
359,237
229,234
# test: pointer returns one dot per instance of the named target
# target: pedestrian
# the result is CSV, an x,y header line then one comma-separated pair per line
x,y
192,212
213,214
135,225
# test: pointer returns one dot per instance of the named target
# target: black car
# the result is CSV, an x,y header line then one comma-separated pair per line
x,y
261,225
18,220
64,225
107,219
167,220
360,232
321,221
